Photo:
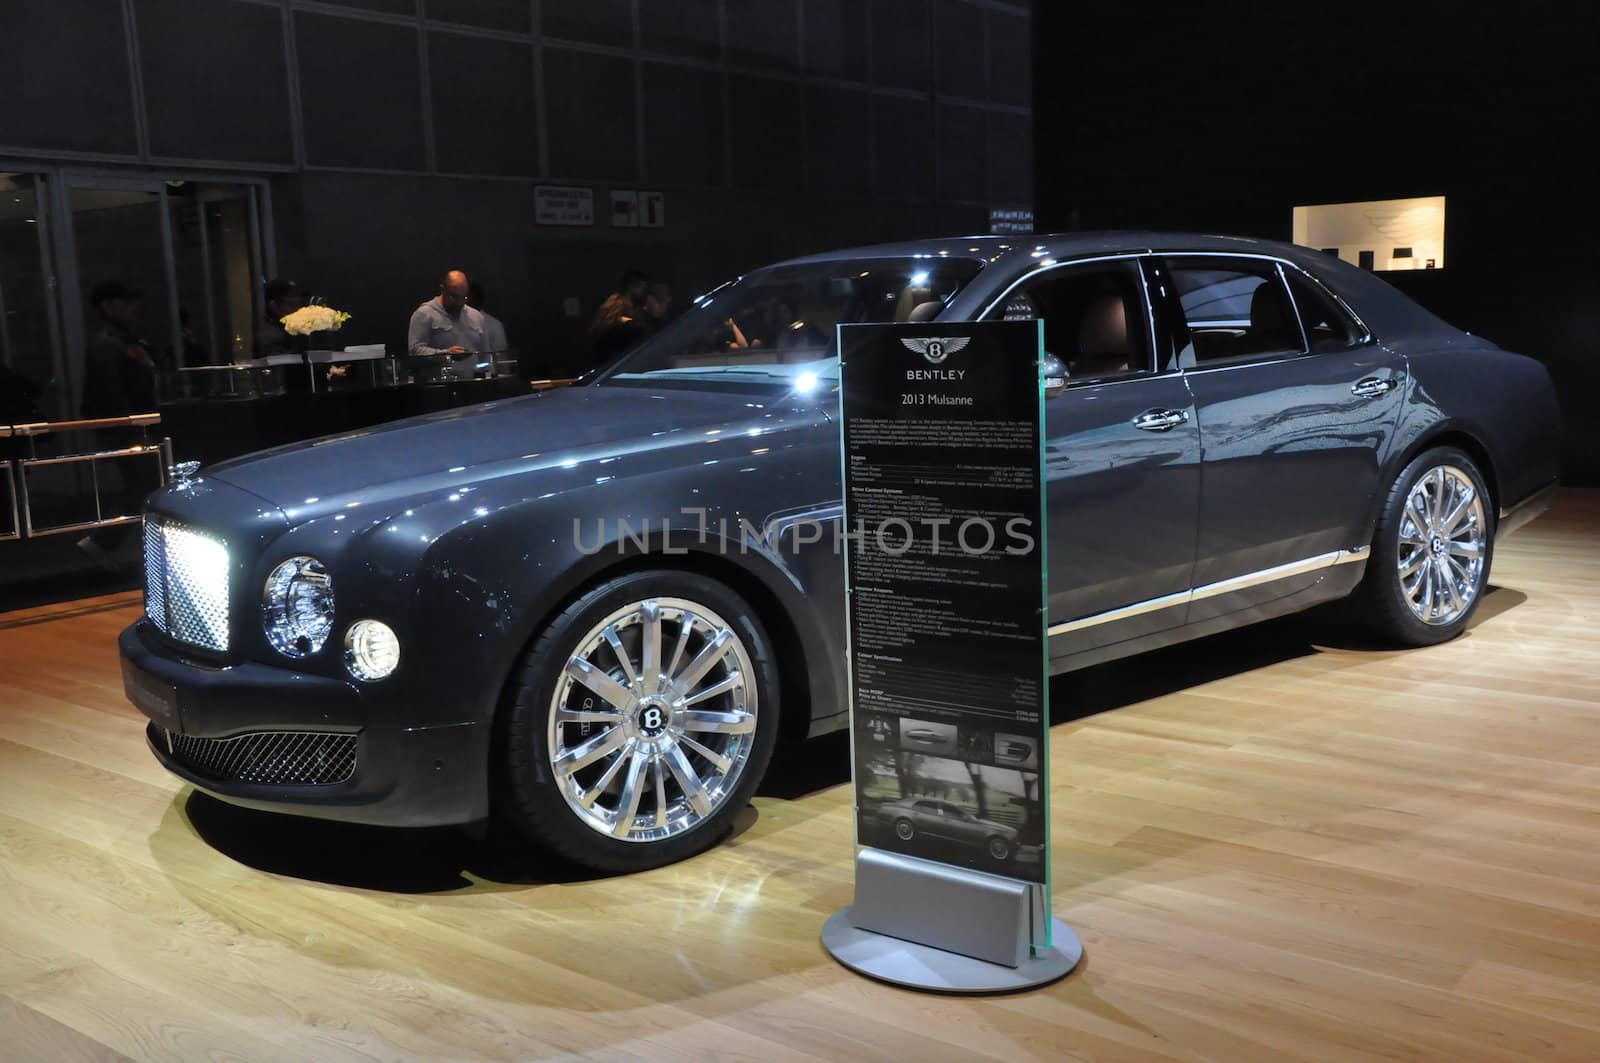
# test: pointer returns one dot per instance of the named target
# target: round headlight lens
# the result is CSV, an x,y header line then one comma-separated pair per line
x,y
297,607
371,650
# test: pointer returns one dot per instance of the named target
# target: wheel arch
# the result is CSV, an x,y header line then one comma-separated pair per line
x,y
790,657
1446,434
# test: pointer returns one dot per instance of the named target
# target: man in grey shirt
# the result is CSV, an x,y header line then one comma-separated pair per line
x,y
446,325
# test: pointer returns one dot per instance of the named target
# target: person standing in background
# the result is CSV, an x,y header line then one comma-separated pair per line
x,y
617,325
119,374
494,333
119,378
282,297
657,305
445,325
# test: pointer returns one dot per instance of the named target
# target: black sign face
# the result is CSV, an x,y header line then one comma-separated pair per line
x,y
945,563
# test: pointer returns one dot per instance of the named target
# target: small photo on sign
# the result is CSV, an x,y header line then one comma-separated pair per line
x,y
880,730
1016,751
976,815
925,736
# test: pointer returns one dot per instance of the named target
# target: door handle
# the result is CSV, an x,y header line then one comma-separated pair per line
x,y
1160,420
1371,387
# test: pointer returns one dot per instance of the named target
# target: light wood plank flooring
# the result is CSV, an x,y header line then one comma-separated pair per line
x,y
1276,845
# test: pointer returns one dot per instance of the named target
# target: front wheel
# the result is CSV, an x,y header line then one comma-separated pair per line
x,y
999,849
1431,551
640,722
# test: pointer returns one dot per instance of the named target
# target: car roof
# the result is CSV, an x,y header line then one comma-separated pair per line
x,y
1388,313
1056,245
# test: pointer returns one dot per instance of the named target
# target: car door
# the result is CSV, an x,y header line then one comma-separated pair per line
x,y
1296,407
1122,456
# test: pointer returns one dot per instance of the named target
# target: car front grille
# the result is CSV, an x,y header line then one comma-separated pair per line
x,y
186,583
272,758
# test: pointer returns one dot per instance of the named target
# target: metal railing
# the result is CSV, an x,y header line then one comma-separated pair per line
x,y
22,524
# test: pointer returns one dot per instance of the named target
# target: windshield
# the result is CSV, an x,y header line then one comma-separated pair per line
x,y
775,328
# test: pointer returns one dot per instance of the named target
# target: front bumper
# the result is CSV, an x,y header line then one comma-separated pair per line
x,y
402,776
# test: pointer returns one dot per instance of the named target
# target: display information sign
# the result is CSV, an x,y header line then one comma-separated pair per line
x,y
945,564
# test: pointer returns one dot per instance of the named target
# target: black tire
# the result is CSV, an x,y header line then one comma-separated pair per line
x,y
529,797
1380,604
999,849
904,829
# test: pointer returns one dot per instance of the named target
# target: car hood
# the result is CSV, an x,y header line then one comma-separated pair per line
x,y
552,428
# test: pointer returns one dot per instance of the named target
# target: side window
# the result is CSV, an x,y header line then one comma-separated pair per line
x,y
1234,308
1328,327
1094,318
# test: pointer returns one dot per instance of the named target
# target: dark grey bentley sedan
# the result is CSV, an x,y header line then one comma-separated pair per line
x,y
593,612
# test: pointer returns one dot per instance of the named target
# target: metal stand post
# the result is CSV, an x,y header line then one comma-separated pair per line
x,y
927,925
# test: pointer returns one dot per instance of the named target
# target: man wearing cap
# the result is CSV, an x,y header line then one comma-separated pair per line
x,y
119,374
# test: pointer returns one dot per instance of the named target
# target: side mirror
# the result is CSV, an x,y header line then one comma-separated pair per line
x,y
1055,376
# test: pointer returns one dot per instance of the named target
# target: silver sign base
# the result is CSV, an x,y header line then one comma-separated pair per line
x,y
927,925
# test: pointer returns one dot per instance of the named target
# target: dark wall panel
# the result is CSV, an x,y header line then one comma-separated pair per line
x,y
596,21
64,77
900,39
484,115
511,16
681,27
1011,58
592,115
838,128
360,92
215,80
768,119
385,7
903,141
1010,157
961,163
959,56
836,38
764,33
683,134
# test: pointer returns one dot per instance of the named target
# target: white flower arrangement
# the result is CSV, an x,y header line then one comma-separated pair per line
x,y
314,318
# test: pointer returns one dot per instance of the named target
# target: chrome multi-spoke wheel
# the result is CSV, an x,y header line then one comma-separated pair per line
x,y
1442,545
652,720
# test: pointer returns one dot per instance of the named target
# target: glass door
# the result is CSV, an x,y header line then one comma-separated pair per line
x,y
31,374
120,238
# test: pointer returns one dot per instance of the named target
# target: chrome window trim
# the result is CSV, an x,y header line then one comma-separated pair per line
x,y
1212,590
1149,314
1366,333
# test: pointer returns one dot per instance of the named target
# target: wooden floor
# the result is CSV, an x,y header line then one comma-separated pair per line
x,y
1274,845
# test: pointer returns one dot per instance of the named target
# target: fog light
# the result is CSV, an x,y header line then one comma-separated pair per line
x,y
371,650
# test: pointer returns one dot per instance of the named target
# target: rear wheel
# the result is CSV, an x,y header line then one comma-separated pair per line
x,y
640,722
1431,551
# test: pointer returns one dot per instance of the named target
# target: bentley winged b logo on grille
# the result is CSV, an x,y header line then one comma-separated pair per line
x,y
935,348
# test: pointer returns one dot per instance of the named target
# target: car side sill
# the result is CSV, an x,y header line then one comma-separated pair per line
x,y
1212,590
1514,517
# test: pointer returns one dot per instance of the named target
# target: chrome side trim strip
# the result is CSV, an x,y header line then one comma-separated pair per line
x,y
1127,611
1212,590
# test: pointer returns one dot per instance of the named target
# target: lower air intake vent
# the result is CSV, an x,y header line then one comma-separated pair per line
x,y
273,758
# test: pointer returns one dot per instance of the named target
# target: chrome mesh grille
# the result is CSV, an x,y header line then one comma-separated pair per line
x,y
186,583
274,758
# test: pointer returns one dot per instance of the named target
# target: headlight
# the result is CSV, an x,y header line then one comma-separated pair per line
x,y
371,650
297,607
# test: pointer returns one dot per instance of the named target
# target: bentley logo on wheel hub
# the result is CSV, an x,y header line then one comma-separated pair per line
x,y
652,717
